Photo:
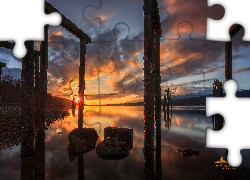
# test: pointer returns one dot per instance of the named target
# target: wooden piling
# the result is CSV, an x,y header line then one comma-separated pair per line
x,y
149,74
81,82
158,105
228,60
41,98
27,108
1,66
164,102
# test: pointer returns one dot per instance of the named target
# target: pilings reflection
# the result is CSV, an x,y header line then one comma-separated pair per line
x,y
167,119
33,164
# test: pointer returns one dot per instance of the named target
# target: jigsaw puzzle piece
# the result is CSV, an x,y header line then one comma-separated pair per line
x,y
92,14
236,110
240,61
181,56
63,71
100,67
188,153
127,85
183,53
63,44
124,59
195,12
113,36
29,27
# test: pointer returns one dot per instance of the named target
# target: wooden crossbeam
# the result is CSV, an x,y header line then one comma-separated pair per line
x,y
234,29
10,45
67,24
2,64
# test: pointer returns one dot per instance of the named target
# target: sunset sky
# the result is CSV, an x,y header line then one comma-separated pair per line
x,y
188,67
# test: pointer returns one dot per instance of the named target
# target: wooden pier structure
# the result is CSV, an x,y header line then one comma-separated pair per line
x,y
34,95
1,66
152,88
228,51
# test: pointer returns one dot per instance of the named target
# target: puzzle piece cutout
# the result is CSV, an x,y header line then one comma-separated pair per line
x,y
170,19
123,88
193,11
25,16
67,62
235,109
102,65
64,50
218,30
102,36
114,30
193,51
187,61
107,39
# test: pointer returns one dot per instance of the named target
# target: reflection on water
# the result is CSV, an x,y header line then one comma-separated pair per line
x,y
186,128
189,108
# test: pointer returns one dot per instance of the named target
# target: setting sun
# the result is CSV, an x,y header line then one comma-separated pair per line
x,y
76,99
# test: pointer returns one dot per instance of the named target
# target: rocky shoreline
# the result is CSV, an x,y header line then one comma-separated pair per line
x,y
11,126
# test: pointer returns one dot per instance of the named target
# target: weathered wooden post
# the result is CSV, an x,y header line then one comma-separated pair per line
x,y
218,92
81,102
157,90
228,68
228,51
164,102
42,81
228,60
37,56
168,102
149,75
39,172
80,166
27,105
1,66
213,121
81,82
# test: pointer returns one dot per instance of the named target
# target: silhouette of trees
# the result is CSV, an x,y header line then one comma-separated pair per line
x,y
11,90
57,101
11,93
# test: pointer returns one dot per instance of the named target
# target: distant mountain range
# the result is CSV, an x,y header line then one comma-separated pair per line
x,y
193,101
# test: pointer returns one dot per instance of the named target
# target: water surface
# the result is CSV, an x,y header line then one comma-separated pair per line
x,y
185,128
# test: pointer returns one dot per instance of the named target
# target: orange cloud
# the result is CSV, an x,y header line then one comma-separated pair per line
x,y
246,69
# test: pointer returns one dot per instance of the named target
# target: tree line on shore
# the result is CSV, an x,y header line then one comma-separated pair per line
x,y
11,93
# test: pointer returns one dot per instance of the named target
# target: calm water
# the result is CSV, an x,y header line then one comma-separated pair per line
x,y
185,129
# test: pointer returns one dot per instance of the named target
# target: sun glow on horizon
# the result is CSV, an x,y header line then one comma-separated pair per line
x,y
76,99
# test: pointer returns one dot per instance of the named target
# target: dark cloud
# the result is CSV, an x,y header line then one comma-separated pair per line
x,y
105,57
14,72
119,52
196,82
109,53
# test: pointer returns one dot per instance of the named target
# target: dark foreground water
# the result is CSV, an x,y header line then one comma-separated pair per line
x,y
186,128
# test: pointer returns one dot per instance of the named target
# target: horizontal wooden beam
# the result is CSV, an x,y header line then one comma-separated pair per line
x,y
234,29
2,64
67,24
7,45
10,45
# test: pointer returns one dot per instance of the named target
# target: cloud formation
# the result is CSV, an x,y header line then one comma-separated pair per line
x,y
119,58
